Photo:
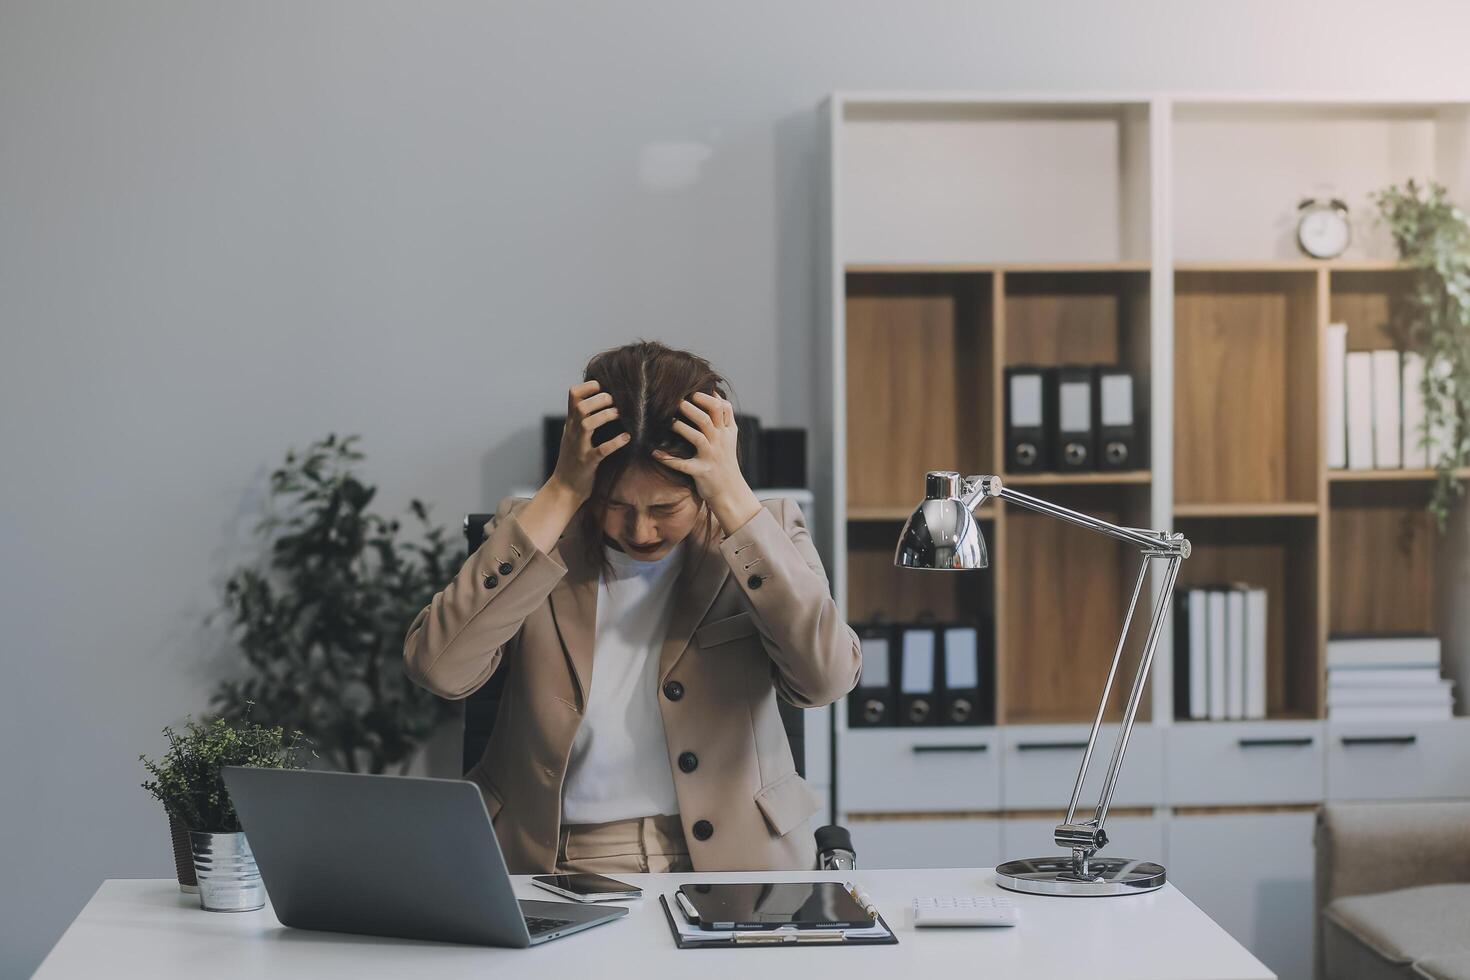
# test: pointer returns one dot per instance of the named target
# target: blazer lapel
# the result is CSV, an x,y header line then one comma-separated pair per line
x,y
574,607
699,582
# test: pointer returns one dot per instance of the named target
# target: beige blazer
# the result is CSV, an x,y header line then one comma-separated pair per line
x,y
753,619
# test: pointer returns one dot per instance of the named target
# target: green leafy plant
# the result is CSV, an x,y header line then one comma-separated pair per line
x,y
188,780
321,626
1433,239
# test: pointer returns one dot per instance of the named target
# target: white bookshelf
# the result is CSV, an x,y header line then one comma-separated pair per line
x,y
1127,194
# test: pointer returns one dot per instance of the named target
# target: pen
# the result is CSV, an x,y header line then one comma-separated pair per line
x,y
862,898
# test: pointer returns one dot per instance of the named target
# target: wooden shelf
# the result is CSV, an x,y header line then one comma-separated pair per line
x,y
1290,265
1121,478
1284,508
1387,476
1381,549
1247,376
863,268
1282,556
952,229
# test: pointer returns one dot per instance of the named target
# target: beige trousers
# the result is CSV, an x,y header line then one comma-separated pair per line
x,y
642,844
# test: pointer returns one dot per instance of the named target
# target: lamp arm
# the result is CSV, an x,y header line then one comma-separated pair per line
x,y
1086,838
1161,543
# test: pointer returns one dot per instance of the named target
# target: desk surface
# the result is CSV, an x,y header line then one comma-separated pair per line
x,y
148,928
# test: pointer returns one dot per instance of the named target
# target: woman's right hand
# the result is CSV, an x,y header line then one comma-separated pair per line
x,y
588,408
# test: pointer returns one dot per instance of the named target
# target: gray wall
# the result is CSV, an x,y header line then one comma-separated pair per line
x,y
226,228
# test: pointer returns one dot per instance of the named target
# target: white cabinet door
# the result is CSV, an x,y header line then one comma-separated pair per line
x,y
943,843
1245,762
1398,760
1251,873
1141,838
886,770
1039,766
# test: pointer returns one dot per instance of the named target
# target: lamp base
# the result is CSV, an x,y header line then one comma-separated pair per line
x,y
1058,876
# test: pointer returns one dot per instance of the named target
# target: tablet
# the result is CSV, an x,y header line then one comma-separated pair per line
x,y
773,905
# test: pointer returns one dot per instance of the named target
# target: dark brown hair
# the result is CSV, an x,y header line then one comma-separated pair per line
x,y
647,380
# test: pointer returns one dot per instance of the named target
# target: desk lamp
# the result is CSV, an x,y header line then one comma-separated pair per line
x,y
942,535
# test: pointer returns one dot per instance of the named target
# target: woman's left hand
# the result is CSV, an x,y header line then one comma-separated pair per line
x,y
715,466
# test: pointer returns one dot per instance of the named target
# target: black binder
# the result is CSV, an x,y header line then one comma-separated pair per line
x,y
748,449
966,692
783,457
872,703
1115,411
551,430
1026,449
1181,655
1073,436
918,667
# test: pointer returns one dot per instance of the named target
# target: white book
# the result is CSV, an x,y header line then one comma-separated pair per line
x,y
1390,712
1383,651
1199,681
1388,424
1255,653
1360,410
1416,449
1215,656
1336,395
1235,654
1341,696
1383,677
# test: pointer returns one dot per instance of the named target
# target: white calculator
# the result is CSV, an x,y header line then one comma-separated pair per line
x,y
964,910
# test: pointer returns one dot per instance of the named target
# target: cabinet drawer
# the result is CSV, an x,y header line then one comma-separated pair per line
x,y
1245,763
960,843
912,770
1039,767
1398,760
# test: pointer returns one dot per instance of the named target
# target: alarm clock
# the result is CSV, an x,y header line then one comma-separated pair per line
x,y
1322,228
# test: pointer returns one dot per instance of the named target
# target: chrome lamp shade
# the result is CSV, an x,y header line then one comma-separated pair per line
x,y
943,535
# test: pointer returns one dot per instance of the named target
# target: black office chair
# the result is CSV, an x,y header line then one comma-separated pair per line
x,y
834,844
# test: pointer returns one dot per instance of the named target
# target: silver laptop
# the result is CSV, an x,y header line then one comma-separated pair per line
x,y
390,856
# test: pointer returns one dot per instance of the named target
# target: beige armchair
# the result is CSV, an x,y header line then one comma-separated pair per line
x,y
1393,891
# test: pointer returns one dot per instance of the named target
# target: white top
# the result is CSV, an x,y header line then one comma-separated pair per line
x,y
148,930
619,766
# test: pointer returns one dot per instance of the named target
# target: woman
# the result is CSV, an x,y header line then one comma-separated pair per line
x,y
649,610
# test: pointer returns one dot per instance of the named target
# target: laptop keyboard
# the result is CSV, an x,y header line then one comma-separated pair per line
x,y
539,926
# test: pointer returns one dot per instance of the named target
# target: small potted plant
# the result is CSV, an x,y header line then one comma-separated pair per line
x,y
189,784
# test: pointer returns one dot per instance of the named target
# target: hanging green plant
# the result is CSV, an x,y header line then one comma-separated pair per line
x,y
1433,240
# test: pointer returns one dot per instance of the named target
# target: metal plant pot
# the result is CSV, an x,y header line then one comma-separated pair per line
x,y
229,880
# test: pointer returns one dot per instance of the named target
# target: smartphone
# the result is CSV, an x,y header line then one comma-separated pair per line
x,y
588,888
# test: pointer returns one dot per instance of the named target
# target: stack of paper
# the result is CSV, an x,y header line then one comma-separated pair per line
x,y
1386,678
1375,408
1220,653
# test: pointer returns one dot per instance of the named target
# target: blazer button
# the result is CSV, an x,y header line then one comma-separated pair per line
x,y
703,830
491,581
688,762
505,568
673,690
754,581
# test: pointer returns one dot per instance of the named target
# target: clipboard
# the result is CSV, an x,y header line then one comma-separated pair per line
x,y
777,940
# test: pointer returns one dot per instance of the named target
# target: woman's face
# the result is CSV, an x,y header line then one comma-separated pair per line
x,y
647,514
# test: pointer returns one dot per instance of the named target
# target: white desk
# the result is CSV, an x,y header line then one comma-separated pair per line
x,y
148,928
